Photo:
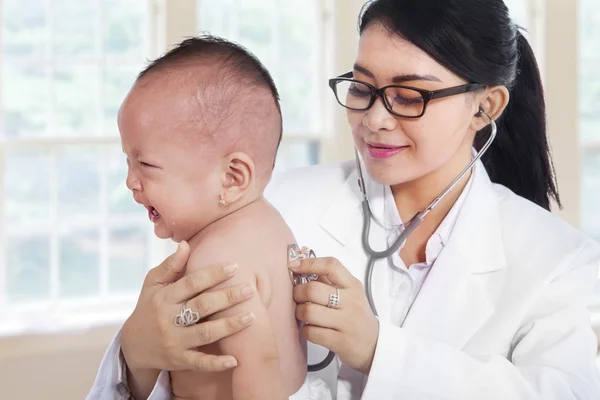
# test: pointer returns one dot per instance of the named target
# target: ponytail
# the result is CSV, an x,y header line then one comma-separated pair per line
x,y
481,44
520,156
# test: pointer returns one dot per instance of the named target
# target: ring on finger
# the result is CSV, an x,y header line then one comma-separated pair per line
x,y
334,299
186,317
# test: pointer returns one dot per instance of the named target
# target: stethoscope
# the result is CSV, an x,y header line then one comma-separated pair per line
x,y
374,255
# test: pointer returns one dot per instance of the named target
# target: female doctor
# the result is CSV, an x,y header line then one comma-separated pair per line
x,y
486,298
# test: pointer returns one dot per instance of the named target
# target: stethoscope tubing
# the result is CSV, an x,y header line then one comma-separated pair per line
x,y
413,224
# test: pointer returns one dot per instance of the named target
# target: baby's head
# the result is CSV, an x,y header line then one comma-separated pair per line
x,y
200,128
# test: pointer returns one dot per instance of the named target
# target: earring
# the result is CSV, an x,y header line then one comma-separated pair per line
x,y
222,200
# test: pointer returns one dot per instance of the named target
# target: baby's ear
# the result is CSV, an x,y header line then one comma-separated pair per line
x,y
238,176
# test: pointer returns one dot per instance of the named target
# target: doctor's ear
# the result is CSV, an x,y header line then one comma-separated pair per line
x,y
492,102
237,177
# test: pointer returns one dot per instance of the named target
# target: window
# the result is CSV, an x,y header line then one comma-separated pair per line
x,y
71,237
519,12
589,105
69,230
287,36
589,127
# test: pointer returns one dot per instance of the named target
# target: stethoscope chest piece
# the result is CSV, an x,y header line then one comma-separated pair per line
x,y
300,253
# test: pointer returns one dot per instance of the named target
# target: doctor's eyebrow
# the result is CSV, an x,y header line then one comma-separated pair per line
x,y
399,78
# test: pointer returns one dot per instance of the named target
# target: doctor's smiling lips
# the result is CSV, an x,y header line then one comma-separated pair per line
x,y
382,151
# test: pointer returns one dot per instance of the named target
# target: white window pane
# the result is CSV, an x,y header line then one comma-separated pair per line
x,y
518,12
129,258
116,83
28,268
299,102
589,104
76,101
24,28
124,28
254,28
120,198
79,182
591,195
26,101
26,187
299,30
79,264
589,70
295,154
217,17
300,81
74,28
248,22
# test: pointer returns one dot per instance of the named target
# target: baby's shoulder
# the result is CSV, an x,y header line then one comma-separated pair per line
x,y
255,238
262,227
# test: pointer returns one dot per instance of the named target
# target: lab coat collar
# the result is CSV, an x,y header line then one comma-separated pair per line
x,y
476,238
458,294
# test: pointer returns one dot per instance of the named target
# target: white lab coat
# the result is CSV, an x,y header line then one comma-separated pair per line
x,y
501,315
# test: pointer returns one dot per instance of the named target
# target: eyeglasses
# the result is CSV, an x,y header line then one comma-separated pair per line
x,y
402,101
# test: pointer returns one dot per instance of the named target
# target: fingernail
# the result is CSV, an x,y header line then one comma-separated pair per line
x,y
247,290
230,269
230,364
247,318
294,264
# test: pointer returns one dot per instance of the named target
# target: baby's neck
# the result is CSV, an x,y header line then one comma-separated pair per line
x,y
253,209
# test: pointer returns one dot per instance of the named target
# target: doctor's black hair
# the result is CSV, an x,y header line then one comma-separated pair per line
x,y
232,59
477,40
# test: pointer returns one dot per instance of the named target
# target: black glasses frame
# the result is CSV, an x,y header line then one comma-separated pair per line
x,y
427,95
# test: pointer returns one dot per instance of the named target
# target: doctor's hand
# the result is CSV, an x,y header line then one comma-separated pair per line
x,y
349,329
150,340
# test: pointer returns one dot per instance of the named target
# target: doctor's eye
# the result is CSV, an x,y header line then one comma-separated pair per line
x,y
359,90
403,96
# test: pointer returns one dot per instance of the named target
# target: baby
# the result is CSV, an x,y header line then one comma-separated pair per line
x,y
200,128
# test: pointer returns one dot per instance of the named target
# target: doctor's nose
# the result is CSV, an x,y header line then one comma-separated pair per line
x,y
378,118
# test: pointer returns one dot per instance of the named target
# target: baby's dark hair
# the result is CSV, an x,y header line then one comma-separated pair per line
x,y
235,64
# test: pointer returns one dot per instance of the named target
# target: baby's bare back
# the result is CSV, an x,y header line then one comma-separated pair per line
x,y
257,233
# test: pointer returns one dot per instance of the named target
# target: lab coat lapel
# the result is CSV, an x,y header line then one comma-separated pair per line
x,y
457,296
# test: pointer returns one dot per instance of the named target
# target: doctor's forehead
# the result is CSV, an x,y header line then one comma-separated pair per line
x,y
384,55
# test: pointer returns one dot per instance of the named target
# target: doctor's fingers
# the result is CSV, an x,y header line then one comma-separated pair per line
x,y
328,338
316,314
199,281
207,332
328,267
197,361
209,303
314,292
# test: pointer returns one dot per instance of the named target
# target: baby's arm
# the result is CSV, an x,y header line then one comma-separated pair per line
x,y
257,375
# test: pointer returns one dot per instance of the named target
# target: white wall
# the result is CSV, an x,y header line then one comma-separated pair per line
x,y
51,367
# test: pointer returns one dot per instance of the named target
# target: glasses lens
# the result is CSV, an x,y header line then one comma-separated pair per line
x,y
353,95
405,102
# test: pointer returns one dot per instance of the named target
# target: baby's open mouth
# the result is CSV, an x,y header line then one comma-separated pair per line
x,y
153,214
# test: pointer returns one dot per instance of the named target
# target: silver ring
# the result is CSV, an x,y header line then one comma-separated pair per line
x,y
334,299
186,317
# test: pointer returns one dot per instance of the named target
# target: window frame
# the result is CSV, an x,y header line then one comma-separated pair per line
x,y
55,313
168,22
